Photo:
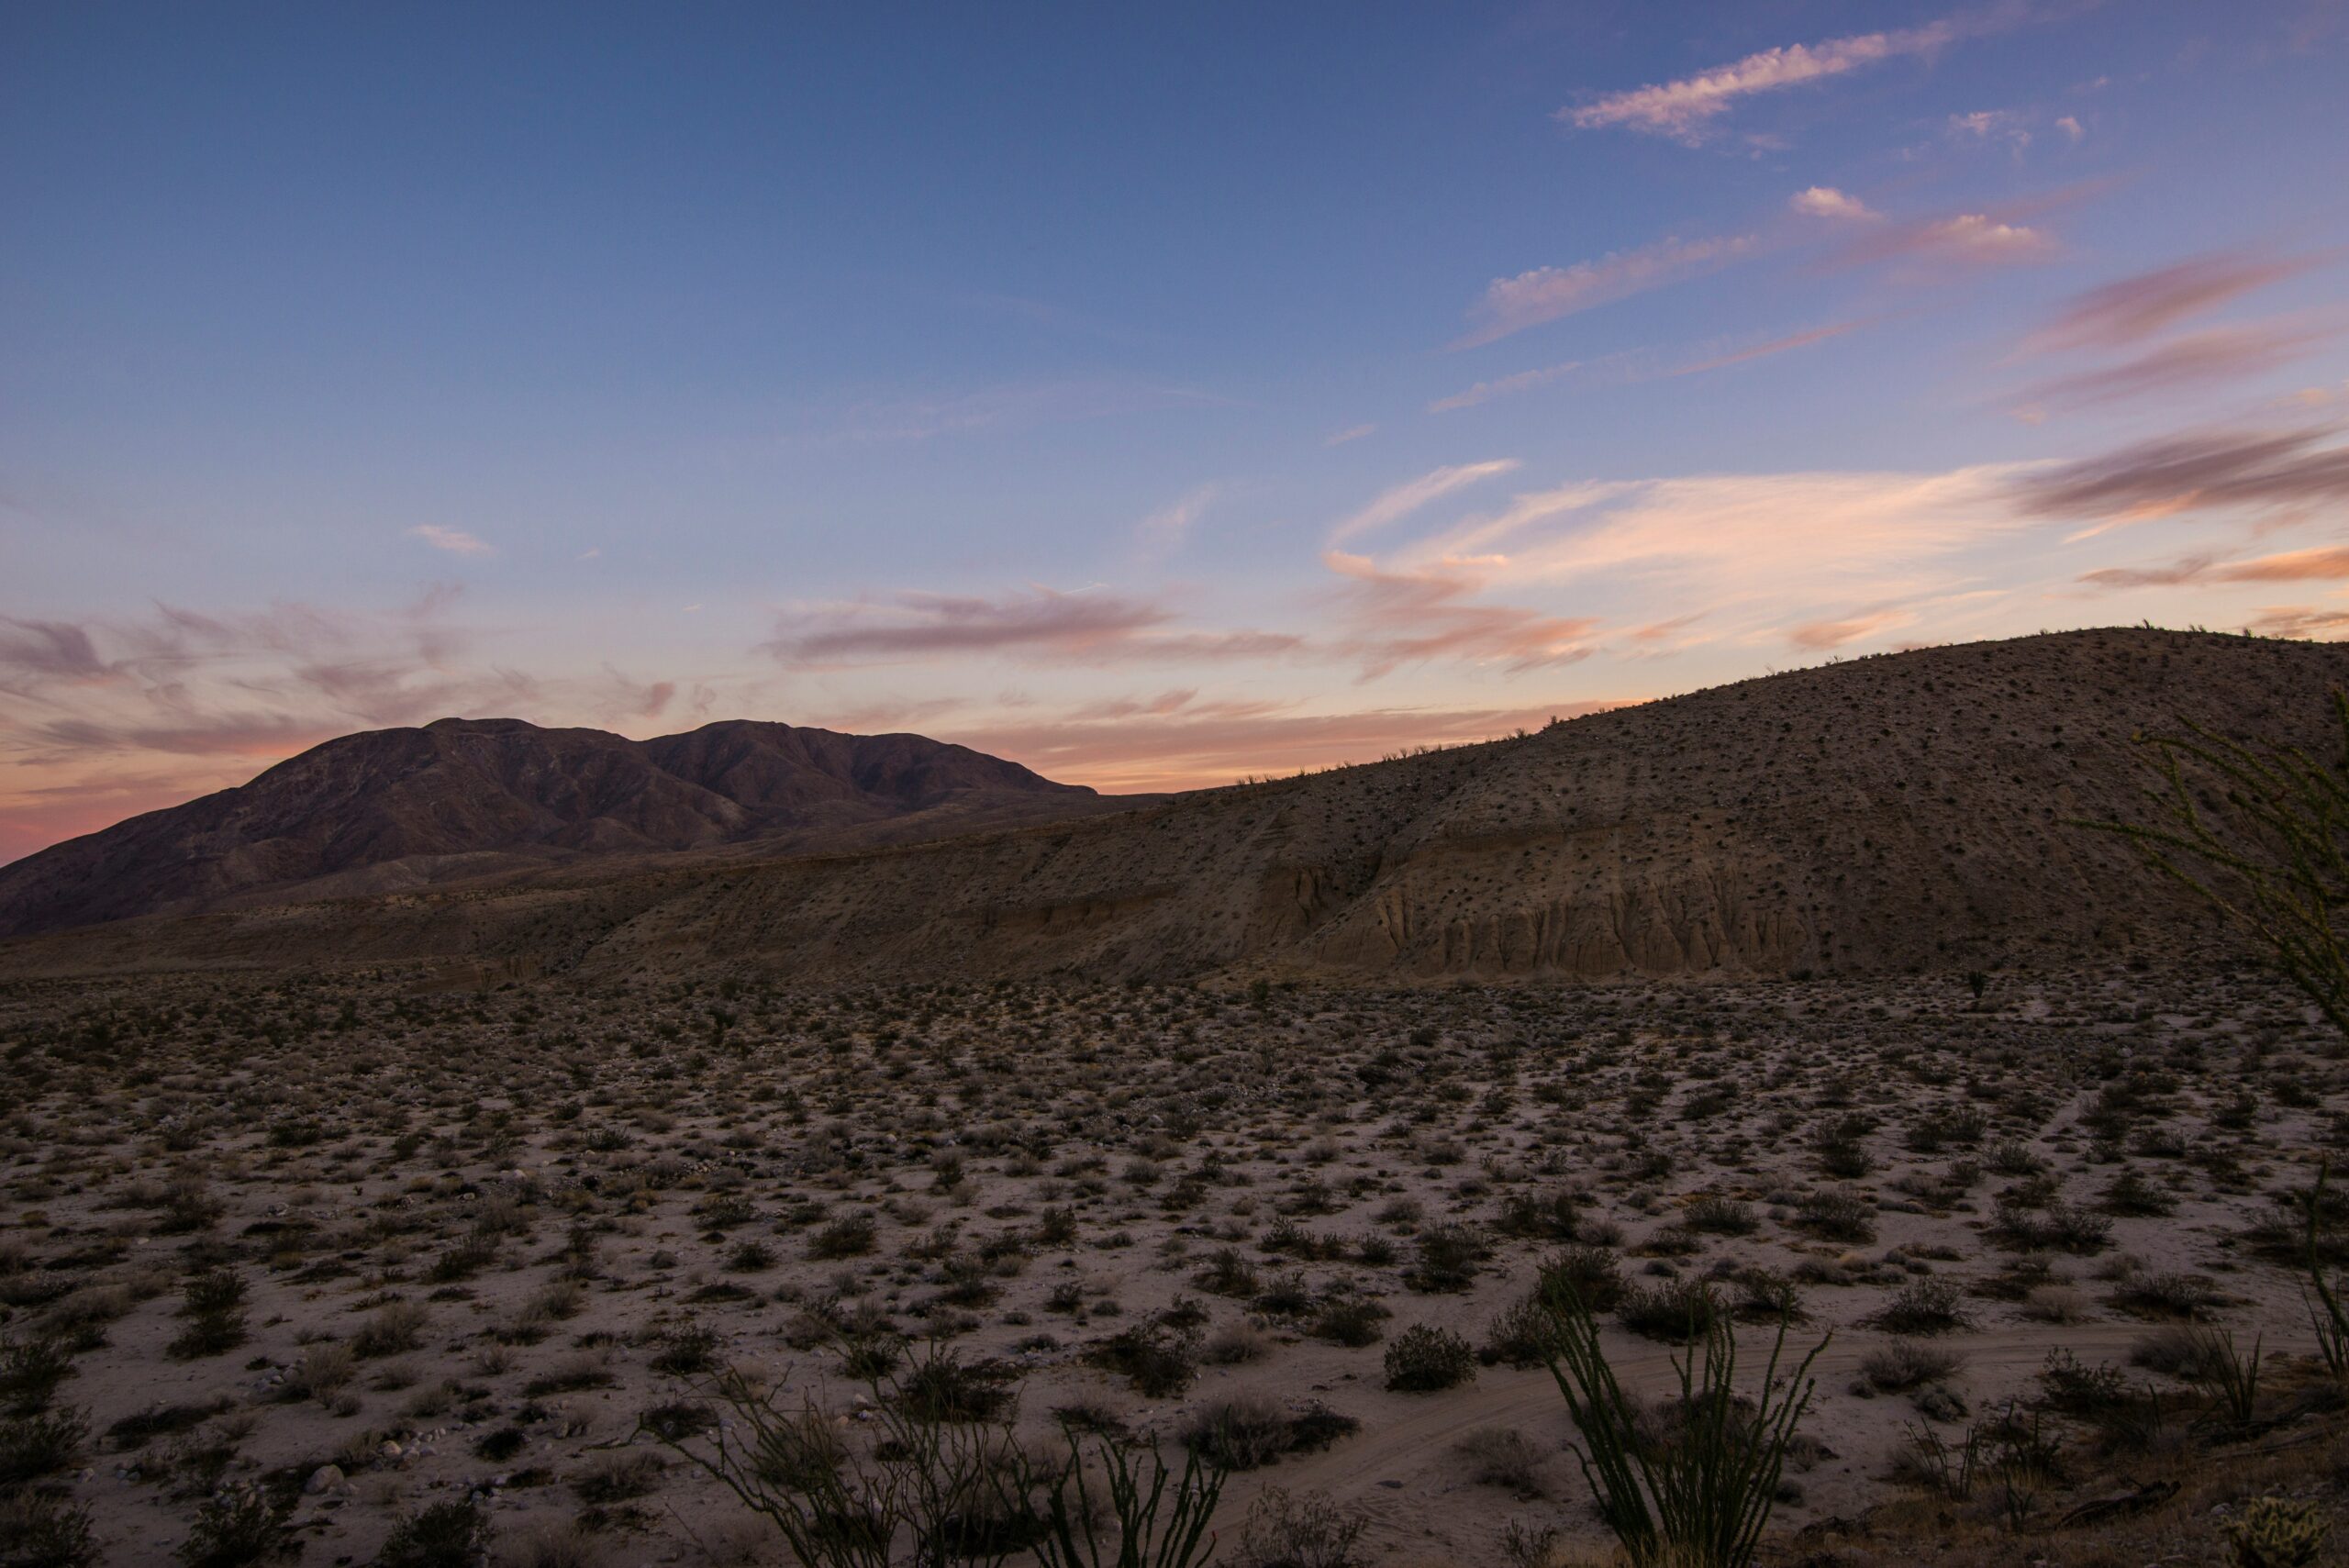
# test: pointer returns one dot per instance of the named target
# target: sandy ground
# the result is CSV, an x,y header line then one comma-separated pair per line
x,y
470,1228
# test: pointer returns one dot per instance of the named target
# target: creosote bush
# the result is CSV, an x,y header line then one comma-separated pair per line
x,y
1424,1359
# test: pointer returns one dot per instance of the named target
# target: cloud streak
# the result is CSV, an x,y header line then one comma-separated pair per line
x,y
2128,311
1547,294
456,541
2328,563
1684,109
2197,471
1038,623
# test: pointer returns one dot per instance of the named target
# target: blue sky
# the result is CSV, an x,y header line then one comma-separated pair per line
x,y
1153,396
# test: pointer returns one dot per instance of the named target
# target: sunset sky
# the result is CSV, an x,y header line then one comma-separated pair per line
x,y
1150,394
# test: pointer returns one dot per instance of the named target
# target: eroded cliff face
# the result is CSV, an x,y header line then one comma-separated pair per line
x,y
1896,814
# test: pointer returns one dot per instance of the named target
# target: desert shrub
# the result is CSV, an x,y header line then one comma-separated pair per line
x,y
394,1329
1921,1306
1286,1296
1675,1310
1963,1125
567,1545
749,1258
1503,1456
1538,1215
1837,1216
1905,1365
1424,1359
851,1236
2070,1389
2176,1351
453,1534
239,1525
1309,1532
213,1303
1519,1335
1228,1272
38,1530
2059,1227
2132,1193
1841,1148
1764,1296
1350,1320
34,1446
672,1421
1448,1256
501,1445
1589,1274
1246,1432
31,1371
323,1371
686,1351
617,1477
2174,1296
1235,1344
1716,1216
956,1492
939,1385
2012,1157
1159,1363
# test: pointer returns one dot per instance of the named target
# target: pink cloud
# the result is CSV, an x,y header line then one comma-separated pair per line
x,y
2129,310
2190,362
1041,621
1684,108
2327,563
2195,472
1819,636
1547,294
1411,617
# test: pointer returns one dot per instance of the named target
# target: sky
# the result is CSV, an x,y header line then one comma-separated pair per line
x,y
1157,395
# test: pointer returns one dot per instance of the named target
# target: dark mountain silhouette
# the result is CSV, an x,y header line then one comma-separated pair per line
x,y
399,808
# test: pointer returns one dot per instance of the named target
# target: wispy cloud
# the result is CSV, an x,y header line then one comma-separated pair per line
x,y
2192,362
1642,365
2195,470
1501,386
1684,109
1040,622
1408,497
2328,563
1547,294
1964,239
1409,617
51,649
1167,530
1821,636
1725,358
2127,311
456,541
1351,433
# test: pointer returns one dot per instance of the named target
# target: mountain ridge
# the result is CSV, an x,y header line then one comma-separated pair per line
x,y
1900,813
440,797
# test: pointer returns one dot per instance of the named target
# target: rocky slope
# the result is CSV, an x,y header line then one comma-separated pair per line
x,y
396,808
1893,813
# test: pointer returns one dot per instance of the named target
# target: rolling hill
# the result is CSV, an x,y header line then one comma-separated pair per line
x,y
1893,813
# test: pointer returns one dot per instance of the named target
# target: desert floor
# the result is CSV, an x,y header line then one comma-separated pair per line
x,y
353,1247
